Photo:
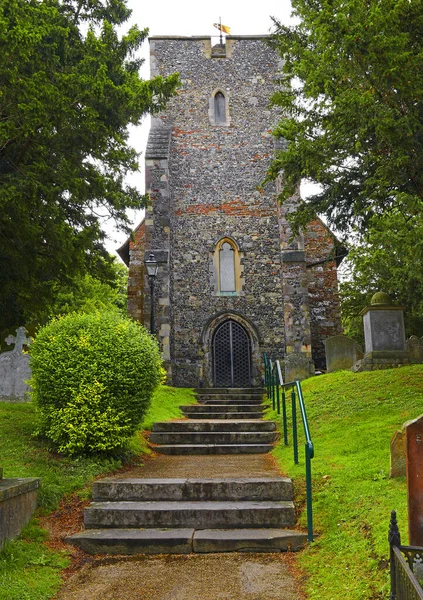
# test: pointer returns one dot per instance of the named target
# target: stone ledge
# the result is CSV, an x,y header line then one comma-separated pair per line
x,y
401,355
18,500
9,488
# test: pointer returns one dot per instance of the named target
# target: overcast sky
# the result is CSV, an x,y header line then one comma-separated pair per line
x,y
189,17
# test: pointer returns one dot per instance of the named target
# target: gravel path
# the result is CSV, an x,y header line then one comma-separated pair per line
x,y
185,577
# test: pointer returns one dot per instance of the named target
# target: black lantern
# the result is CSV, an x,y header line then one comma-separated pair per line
x,y
152,266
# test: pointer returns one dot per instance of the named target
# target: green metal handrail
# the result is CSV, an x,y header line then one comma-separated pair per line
x,y
274,384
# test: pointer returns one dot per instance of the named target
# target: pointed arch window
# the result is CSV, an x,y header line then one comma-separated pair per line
x,y
219,108
227,268
226,273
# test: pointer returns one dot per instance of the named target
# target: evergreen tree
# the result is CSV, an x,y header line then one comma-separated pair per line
x,y
69,88
351,90
387,258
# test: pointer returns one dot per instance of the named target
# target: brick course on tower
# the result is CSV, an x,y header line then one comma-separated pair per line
x,y
233,282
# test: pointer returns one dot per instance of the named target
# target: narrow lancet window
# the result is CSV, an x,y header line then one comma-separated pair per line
x,y
219,108
227,268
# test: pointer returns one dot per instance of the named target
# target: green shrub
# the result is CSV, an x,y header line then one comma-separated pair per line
x,y
93,376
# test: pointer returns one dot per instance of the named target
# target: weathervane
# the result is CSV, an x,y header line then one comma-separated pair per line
x,y
221,28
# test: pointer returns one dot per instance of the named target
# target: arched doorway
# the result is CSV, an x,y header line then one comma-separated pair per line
x,y
231,355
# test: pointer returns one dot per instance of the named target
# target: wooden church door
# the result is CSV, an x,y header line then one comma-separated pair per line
x,y
231,356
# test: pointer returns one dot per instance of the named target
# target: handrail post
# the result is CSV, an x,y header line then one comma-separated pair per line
x,y
269,389
309,494
273,389
294,426
278,401
394,539
285,422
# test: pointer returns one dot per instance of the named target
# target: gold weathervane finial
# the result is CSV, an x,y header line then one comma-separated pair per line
x,y
222,28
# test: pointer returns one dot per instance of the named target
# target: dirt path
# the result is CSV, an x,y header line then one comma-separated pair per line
x,y
185,577
231,576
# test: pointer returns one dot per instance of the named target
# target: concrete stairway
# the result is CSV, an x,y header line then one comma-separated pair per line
x,y
226,421
183,515
131,516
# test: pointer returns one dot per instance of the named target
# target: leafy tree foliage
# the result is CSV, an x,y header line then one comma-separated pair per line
x,y
69,88
351,90
388,258
89,294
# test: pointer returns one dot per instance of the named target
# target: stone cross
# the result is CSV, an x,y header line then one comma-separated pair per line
x,y
20,340
15,369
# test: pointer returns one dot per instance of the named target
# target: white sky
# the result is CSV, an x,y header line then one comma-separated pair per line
x,y
189,17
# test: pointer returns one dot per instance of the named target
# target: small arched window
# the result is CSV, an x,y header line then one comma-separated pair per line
x,y
219,108
227,268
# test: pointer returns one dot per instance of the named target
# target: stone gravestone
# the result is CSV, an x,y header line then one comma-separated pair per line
x,y
342,353
298,366
384,335
15,369
383,325
414,456
415,349
397,452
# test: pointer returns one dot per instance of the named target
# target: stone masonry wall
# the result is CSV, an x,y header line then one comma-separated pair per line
x,y
214,172
136,274
203,178
320,250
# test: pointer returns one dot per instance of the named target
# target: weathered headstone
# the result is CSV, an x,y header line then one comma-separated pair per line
x,y
414,454
15,369
415,349
397,451
383,325
298,366
342,353
384,335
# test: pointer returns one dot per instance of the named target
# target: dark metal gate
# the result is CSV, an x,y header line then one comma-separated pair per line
x,y
231,356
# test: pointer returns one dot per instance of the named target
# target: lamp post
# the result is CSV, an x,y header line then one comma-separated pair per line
x,y
152,267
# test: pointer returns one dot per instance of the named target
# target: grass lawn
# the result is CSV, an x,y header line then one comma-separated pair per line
x,y
28,569
352,420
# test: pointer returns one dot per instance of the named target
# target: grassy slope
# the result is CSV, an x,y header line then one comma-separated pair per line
x,y
352,419
28,570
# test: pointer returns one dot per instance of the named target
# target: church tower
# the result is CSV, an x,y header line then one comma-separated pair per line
x,y
232,282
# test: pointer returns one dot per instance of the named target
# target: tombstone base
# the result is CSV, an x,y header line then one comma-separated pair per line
x,y
18,500
382,359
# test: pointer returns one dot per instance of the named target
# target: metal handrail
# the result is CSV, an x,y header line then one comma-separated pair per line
x,y
273,380
404,583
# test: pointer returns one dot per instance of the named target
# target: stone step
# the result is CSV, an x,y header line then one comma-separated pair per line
x,y
223,415
217,425
222,408
224,401
237,391
213,448
240,488
214,437
248,540
186,514
184,541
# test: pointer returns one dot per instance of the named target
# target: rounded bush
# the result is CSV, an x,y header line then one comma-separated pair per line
x,y
93,376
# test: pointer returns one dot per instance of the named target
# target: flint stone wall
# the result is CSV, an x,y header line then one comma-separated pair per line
x,y
214,172
202,179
